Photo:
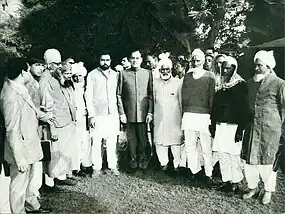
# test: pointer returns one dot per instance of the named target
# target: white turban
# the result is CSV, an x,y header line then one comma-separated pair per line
x,y
231,61
198,52
52,55
266,57
119,68
79,69
164,60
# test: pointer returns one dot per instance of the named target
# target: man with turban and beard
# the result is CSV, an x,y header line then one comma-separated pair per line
x,y
58,101
198,91
228,120
167,114
82,142
263,130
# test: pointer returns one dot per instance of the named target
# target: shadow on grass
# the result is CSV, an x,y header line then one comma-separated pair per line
x,y
68,201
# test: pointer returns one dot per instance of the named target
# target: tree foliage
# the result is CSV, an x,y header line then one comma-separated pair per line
x,y
84,29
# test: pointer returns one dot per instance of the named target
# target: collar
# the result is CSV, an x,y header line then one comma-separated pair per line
x,y
20,89
198,73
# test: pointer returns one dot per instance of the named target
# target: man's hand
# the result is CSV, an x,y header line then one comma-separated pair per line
x,y
91,122
22,167
149,118
123,118
212,129
53,132
239,135
46,118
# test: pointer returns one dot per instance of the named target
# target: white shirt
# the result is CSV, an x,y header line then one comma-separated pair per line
x,y
195,122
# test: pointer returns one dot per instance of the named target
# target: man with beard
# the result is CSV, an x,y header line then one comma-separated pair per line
x,y
198,90
52,58
135,102
263,131
103,114
82,141
58,101
167,114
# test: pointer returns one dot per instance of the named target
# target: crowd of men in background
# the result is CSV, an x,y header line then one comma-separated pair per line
x,y
57,117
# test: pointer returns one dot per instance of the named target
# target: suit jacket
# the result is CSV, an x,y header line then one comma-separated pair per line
x,y
2,142
266,115
135,94
22,143
100,93
57,101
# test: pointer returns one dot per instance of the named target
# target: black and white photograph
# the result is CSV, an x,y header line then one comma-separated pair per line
x,y
142,106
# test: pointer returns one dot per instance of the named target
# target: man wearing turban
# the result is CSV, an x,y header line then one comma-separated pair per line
x,y
82,143
167,114
263,129
198,90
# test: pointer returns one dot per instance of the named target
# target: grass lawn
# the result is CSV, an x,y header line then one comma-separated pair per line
x,y
155,192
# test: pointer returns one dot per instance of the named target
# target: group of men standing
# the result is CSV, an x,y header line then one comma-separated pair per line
x,y
204,116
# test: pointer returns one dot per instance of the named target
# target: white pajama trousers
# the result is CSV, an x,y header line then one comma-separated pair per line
x,y
162,154
4,193
231,167
193,141
82,144
106,127
253,173
37,178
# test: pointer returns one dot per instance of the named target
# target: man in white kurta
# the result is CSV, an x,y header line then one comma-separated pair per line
x,y
101,101
82,143
167,115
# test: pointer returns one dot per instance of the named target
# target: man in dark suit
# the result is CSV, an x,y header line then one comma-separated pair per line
x,y
135,103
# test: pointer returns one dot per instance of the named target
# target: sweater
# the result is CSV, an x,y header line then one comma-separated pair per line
x,y
198,94
231,105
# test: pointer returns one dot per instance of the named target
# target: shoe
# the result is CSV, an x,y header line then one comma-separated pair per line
x,y
41,210
164,168
115,172
96,173
176,169
250,194
71,178
66,182
235,187
48,189
227,187
266,198
209,181
143,165
133,164
81,173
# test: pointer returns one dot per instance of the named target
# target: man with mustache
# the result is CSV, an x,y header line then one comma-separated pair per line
x,y
58,101
103,114
167,114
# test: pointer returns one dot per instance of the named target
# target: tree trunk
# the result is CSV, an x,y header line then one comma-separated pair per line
x,y
217,22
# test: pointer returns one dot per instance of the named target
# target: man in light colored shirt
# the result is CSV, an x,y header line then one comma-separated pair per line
x,y
22,145
103,114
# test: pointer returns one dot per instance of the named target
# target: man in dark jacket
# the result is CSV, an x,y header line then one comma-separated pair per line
x,y
263,131
135,103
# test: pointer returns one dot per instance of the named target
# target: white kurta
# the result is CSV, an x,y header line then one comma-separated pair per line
x,y
224,140
167,112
